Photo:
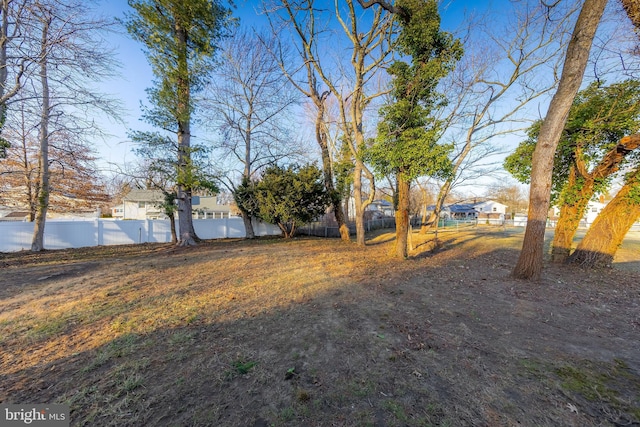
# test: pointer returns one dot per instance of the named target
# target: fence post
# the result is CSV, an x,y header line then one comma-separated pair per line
x,y
99,232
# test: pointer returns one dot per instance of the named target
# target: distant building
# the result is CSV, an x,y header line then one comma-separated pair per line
x,y
461,211
209,207
467,211
140,204
147,204
380,209
490,210
592,210
14,215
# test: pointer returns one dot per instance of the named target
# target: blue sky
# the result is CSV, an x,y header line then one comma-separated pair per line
x,y
134,78
136,74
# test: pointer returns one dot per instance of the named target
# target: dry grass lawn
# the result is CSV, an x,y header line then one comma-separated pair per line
x,y
315,332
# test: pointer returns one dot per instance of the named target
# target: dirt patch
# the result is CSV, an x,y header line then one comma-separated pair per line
x,y
319,333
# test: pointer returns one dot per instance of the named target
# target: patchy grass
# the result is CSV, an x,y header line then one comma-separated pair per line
x,y
316,332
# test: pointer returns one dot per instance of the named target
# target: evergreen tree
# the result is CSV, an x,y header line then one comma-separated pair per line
x,y
288,197
407,142
180,39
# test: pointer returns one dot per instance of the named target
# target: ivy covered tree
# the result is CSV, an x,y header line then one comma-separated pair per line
x,y
407,142
289,197
180,38
605,235
592,148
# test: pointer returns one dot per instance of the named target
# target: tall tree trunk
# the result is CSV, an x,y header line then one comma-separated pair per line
x,y
357,196
7,92
248,225
347,211
4,39
29,185
580,190
360,169
402,215
188,235
247,219
361,203
605,235
529,264
172,224
37,243
572,210
327,167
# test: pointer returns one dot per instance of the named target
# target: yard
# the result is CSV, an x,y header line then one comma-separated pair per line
x,y
315,332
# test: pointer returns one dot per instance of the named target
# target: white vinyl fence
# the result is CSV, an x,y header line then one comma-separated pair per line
x,y
16,236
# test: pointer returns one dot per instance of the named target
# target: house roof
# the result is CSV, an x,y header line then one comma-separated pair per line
x,y
490,203
144,196
15,216
461,207
381,204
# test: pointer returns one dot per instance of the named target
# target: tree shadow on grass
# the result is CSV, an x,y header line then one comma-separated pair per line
x,y
452,342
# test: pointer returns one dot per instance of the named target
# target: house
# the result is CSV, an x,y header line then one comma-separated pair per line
x,y
490,210
147,204
462,211
470,211
16,215
140,204
381,209
209,207
592,211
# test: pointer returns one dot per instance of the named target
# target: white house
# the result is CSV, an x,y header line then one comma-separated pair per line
x,y
140,204
490,209
381,208
592,211
209,207
146,204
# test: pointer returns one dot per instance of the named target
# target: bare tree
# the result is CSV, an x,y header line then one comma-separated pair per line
x,y
249,103
62,37
529,265
504,70
369,35
74,181
306,82
12,17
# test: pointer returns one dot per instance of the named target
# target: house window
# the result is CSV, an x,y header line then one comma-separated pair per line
x,y
141,205
495,209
